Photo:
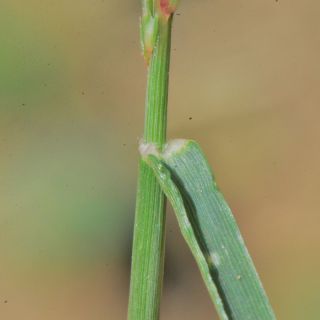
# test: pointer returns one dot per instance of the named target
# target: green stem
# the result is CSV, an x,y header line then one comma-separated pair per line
x,y
149,228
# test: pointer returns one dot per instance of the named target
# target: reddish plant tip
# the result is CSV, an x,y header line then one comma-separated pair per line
x,y
168,7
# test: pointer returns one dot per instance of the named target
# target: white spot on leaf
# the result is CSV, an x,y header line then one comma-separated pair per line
x,y
214,259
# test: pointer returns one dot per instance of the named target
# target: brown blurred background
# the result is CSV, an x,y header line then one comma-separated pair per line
x,y
72,85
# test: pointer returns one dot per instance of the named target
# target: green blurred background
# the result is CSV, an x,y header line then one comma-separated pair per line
x,y
244,83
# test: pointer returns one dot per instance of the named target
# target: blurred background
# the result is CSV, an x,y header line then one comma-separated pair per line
x,y
244,83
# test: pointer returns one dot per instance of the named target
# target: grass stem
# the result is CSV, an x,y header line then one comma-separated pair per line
x,y
149,227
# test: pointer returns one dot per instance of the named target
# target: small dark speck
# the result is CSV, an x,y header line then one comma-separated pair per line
x,y
178,14
23,104
5,301
190,118
83,93
124,144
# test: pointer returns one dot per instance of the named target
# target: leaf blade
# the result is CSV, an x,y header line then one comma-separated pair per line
x,y
230,276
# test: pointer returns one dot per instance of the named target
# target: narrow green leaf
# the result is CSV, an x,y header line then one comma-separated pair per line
x,y
210,230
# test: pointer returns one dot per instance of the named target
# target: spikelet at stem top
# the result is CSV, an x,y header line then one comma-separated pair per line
x,y
167,7
152,12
